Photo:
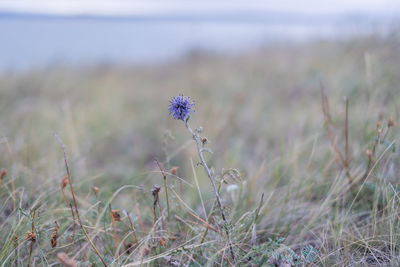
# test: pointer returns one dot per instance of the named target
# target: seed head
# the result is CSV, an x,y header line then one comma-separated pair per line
x,y
180,107
368,153
146,250
162,242
3,174
391,123
95,189
174,170
155,190
54,236
30,236
64,182
116,215
204,140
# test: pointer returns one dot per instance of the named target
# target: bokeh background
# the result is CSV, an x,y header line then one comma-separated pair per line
x,y
100,74
42,33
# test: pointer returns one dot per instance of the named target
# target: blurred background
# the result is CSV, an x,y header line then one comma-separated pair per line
x,y
101,73
44,32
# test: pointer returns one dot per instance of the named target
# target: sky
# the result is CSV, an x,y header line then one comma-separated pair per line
x,y
166,7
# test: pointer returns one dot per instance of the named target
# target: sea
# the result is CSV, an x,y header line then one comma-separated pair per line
x,y
29,41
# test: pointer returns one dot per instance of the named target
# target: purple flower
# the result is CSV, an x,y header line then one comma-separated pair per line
x,y
180,107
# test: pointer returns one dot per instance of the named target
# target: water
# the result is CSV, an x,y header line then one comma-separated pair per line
x,y
29,42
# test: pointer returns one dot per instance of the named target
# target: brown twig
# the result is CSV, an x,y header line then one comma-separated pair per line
x,y
166,191
204,223
370,155
74,224
74,200
115,216
64,183
342,161
156,189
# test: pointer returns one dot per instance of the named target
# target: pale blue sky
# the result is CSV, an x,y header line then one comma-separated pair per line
x,y
157,7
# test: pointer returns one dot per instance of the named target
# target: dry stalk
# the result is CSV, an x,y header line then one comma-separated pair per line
x,y
115,216
65,261
343,161
133,230
166,191
156,189
75,203
204,223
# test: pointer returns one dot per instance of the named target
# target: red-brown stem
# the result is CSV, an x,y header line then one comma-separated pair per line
x,y
74,223
371,158
115,229
342,161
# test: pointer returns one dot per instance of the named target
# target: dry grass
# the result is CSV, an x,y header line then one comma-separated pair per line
x,y
263,118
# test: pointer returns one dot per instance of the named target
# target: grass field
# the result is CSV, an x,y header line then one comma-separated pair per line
x,y
295,189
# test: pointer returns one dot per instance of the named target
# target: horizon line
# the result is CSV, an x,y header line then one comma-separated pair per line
x,y
250,16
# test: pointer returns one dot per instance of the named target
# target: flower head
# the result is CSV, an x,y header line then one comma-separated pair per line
x,y
116,215
180,107
30,236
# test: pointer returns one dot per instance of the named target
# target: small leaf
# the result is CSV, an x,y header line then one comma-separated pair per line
x,y
309,253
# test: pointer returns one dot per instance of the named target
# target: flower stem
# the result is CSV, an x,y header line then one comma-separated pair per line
x,y
199,144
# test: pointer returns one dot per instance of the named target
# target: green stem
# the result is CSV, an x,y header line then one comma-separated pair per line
x,y
200,149
166,196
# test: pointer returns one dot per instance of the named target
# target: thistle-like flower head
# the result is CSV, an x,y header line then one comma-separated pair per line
x,y
180,107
